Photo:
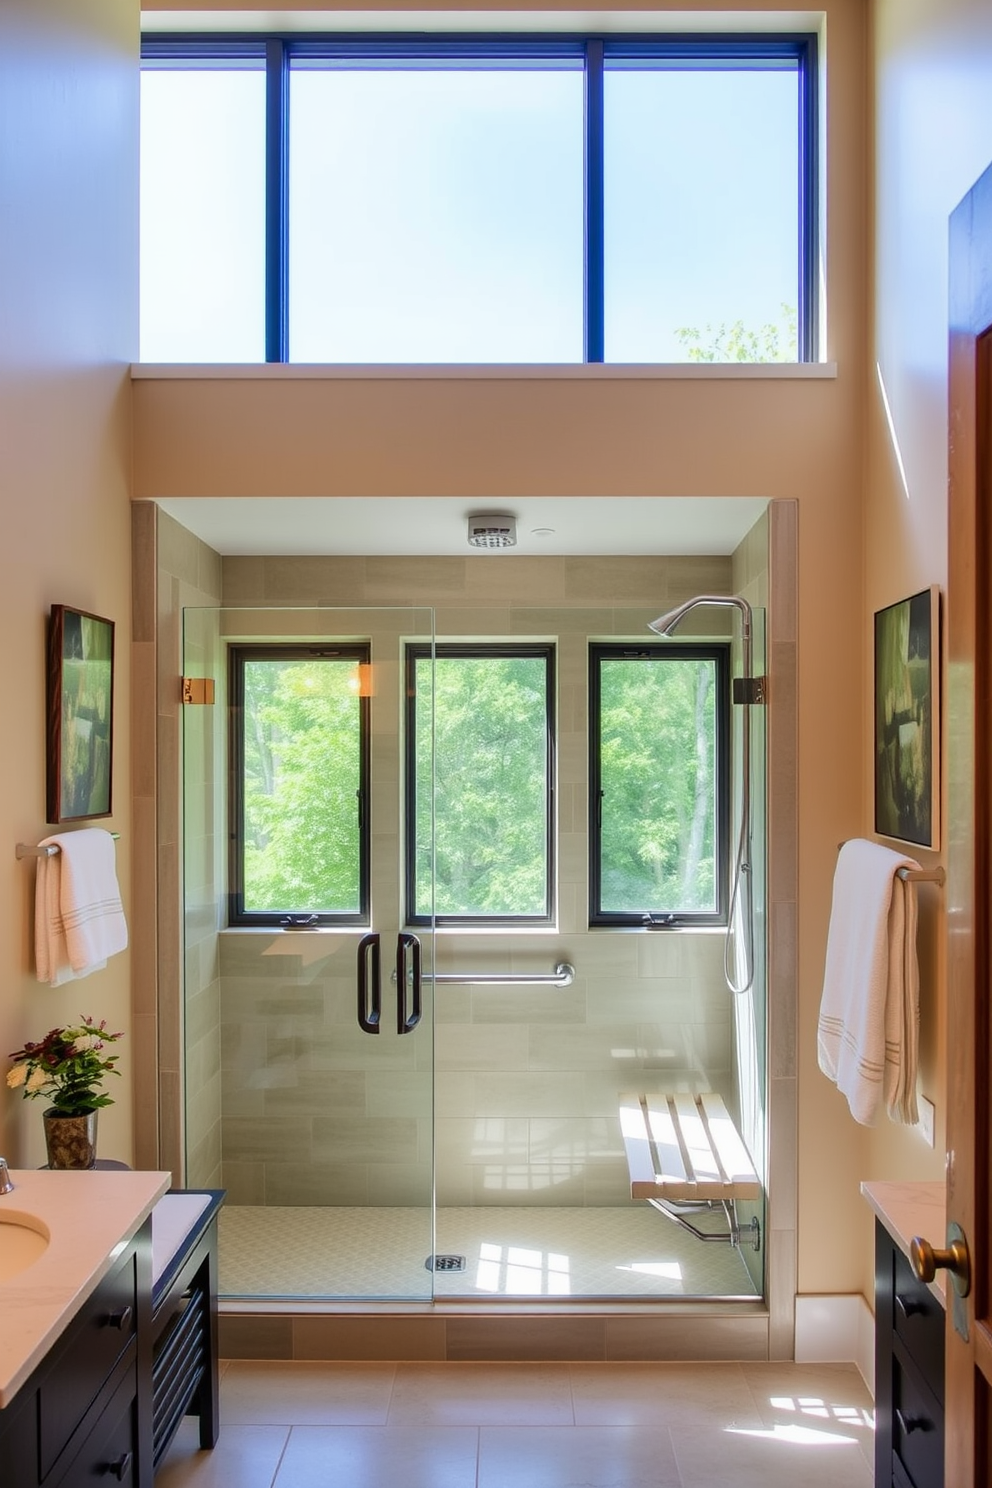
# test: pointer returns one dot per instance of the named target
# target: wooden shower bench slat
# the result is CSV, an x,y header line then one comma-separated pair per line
x,y
685,1148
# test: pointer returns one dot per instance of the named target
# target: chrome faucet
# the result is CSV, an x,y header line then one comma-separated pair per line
x,y
5,1184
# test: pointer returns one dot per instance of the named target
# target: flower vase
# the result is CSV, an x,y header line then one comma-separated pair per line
x,y
70,1140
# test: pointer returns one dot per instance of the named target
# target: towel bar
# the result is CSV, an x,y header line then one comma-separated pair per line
x,y
35,850
917,875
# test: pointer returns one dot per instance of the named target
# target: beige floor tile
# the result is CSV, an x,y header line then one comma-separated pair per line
x,y
832,1399
246,1457
303,1394
769,1457
562,1457
376,1456
704,1395
471,1394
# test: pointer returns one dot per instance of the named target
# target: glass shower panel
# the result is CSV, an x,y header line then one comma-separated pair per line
x,y
309,1046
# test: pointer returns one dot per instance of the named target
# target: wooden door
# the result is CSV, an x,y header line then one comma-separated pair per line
x,y
969,753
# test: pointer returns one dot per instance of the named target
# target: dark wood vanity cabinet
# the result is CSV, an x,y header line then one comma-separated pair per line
x,y
81,1417
909,1373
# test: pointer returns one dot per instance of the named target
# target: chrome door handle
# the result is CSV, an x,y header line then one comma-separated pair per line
x,y
407,1020
369,985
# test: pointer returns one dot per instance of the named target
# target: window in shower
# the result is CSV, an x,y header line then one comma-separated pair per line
x,y
480,807
659,785
299,742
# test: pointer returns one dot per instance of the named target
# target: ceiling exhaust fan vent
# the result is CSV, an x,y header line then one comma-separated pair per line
x,y
492,530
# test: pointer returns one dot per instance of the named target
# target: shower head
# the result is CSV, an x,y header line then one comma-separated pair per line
x,y
667,623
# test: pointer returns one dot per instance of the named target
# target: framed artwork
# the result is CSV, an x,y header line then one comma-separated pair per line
x,y
80,715
907,720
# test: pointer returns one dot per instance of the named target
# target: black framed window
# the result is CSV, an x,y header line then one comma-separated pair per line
x,y
480,199
480,784
659,784
299,813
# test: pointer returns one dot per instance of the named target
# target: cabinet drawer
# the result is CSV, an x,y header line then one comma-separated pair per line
x,y
96,1340
917,1427
108,1455
918,1320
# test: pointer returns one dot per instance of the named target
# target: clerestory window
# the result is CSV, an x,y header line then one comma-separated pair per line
x,y
490,200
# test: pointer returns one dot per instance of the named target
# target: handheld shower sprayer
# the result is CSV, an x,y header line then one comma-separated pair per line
x,y
738,969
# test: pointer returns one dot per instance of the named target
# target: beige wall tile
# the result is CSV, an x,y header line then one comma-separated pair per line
x,y
368,1338
689,1336
526,1338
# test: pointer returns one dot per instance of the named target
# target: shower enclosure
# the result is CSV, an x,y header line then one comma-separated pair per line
x,y
405,1108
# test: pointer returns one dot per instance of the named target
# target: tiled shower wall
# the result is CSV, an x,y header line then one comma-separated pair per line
x,y
527,1078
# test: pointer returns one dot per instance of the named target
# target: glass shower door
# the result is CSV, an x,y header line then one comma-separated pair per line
x,y
308,1025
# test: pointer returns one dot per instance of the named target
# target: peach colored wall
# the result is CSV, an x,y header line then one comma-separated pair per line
x,y
933,138
594,435
68,308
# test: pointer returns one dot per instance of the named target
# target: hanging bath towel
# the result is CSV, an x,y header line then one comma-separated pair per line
x,y
868,1033
78,915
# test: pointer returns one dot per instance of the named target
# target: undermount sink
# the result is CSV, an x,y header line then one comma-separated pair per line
x,y
23,1240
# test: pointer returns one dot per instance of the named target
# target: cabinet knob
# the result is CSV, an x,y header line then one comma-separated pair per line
x,y
121,1320
927,1261
909,1306
122,1467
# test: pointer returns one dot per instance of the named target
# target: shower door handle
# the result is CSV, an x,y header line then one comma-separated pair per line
x,y
407,950
369,985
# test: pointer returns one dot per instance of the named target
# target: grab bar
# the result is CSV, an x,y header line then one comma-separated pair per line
x,y
917,875
562,976
49,850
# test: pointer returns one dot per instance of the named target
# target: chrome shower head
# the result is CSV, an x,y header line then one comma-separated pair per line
x,y
667,623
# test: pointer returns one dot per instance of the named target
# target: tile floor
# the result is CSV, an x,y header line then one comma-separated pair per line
x,y
294,1425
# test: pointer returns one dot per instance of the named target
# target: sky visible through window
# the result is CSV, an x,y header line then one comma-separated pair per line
x,y
436,214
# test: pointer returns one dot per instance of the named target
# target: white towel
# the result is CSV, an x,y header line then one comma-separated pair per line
x,y
868,1032
78,915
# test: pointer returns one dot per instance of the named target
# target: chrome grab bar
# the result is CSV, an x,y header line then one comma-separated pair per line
x,y
562,976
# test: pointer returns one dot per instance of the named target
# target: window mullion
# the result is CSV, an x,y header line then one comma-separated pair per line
x,y
594,320
276,201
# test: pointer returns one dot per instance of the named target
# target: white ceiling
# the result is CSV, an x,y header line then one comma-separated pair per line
x,y
413,526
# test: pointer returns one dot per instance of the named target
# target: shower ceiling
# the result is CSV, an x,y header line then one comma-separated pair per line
x,y
419,526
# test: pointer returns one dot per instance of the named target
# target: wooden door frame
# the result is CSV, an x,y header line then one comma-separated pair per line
x,y
970,817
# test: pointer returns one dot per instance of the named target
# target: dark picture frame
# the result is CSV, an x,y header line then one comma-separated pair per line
x,y
80,733
907,720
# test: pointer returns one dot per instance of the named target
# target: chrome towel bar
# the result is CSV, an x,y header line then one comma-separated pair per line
x,y
917,875
49,850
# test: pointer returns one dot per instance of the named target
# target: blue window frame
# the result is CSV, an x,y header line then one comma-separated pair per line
x,y
676,140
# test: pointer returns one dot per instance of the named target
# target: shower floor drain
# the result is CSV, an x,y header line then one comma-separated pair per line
x,y
444,1263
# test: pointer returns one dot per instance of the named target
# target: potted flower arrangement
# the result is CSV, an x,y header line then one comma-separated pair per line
x,y
68,1066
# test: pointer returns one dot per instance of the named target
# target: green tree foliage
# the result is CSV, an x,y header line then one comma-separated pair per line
x,y
491,786
736,342
657,749
301,780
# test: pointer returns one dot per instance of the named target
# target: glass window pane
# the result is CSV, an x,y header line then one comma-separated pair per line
x,y
491,786
702,214
436,215
657,744
203,214
302,775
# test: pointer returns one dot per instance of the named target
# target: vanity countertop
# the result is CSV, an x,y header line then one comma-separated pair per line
x,y
908,1209
87,1216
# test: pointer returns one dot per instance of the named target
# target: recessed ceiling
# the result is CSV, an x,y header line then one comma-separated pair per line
x,y
414,526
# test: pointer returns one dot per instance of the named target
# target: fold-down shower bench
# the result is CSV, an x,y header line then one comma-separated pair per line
x,y
685,1156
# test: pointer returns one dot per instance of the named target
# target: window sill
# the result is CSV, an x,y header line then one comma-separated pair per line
x,y
495,372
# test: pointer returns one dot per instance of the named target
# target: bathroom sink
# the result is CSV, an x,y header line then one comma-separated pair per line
x,y
23,1240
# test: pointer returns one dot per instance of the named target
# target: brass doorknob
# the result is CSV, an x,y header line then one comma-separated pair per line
x,y
956,1259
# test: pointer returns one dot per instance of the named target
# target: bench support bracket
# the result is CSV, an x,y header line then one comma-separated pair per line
x,y
735,1234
